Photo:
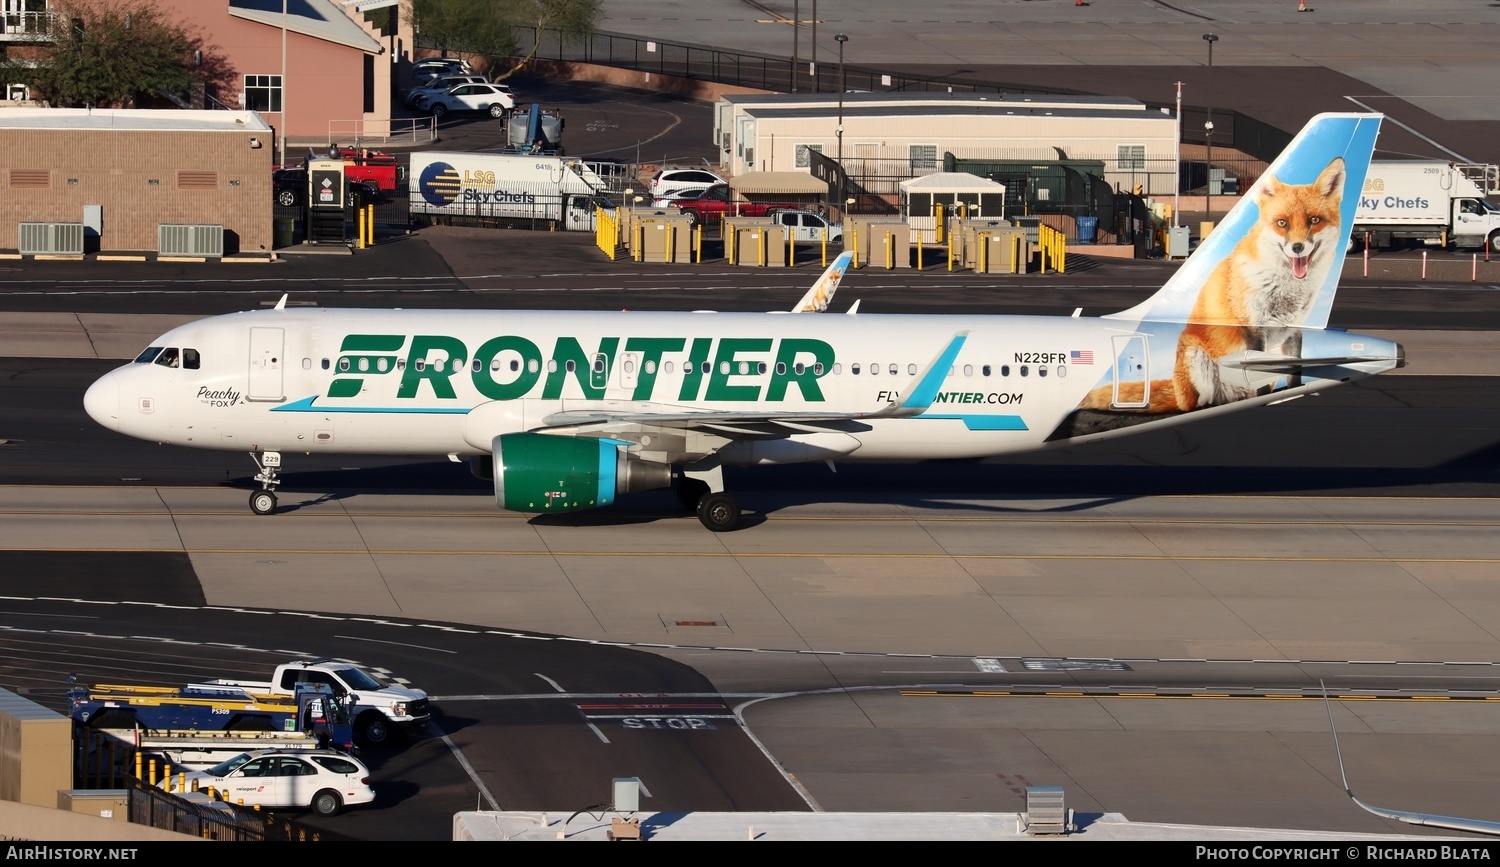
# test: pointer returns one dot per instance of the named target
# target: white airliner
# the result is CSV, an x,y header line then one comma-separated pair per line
x,y
567,410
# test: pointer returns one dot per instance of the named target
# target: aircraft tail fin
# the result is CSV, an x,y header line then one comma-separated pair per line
x,y
817,298
1278,253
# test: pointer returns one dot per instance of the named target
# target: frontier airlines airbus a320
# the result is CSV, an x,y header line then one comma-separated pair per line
x,y
567,410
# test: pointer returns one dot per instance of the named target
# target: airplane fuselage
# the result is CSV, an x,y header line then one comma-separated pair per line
x,y
448,382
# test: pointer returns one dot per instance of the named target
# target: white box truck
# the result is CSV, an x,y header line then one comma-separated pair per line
x,y
1435,202
507,190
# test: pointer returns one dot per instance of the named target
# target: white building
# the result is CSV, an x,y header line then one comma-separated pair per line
x,y
891,137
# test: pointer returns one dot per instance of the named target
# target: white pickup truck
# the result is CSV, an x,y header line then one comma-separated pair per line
x,y
379,711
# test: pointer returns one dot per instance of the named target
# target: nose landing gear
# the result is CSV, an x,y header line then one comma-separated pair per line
x,y
263,501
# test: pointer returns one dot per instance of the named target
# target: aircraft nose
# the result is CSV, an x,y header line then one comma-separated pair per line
x,y
102,401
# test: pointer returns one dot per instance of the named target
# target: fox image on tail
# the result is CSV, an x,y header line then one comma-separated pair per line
x,y
1255,299
1266,286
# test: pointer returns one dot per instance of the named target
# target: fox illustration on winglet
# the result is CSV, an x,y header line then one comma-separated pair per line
x,y
1266,285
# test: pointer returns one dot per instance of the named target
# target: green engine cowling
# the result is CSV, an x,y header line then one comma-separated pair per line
x,y
554,473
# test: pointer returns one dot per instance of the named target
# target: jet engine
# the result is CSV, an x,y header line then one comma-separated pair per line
x,y
552,473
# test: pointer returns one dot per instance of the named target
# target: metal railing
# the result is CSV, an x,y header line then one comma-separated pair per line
x,y
397,130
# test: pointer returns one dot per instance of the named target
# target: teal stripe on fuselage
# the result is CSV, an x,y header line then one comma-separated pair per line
x,y
306,405
984,422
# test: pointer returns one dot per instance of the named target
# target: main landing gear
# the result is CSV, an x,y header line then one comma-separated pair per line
x,y
703,491
263,501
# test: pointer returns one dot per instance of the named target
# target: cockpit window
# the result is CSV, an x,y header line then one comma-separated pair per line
x,y
168,357
148,355
190,359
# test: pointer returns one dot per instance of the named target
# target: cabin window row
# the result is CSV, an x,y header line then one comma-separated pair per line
x,y
381,365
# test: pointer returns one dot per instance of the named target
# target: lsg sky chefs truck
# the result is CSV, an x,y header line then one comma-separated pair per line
x,y
520,191
1434,202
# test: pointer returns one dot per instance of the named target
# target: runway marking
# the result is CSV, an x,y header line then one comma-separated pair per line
x,y
1221,696
395,643
463,762
597,732
550,682
754,555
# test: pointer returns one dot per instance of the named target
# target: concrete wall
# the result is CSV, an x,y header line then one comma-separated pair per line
x,y
134,175
20,822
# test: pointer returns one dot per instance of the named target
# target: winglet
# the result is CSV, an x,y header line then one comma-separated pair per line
x,y
817,298
1456,823
281,305
924,392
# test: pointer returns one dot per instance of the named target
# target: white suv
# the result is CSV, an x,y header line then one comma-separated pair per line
x,y
477,96
418,96
682,180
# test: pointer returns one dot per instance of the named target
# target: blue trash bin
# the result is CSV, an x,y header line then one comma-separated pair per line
x,y
1088,229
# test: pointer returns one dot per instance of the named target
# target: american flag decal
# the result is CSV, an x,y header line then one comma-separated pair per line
x,y
1082,356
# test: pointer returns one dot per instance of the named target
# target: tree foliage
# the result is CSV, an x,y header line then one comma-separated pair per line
x,y
109,53
492,28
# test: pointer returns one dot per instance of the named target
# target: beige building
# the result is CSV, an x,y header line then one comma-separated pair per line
x,y
123,173
896,136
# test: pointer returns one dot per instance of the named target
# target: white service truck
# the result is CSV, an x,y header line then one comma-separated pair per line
x,y
506,189
378,711
1431,201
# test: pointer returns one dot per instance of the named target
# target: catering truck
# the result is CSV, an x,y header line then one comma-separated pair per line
x,y
198,728
505,190
1434,202
378,711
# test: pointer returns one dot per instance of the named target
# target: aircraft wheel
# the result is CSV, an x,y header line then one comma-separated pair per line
x,y
690,492
263,502
719,512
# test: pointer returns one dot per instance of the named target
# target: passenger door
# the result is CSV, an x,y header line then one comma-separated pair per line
x,y
267,346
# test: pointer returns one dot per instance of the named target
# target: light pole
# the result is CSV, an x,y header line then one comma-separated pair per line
x,y
796,13
281,139
839,130
817,88
1208,126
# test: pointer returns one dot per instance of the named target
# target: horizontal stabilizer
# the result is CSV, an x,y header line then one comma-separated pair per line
x,y
1290,364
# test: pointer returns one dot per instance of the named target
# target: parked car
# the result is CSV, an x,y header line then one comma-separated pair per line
x,y
440,85
289,187
491,98
671,196
809,226
683,179
324,781
432,67
423,100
